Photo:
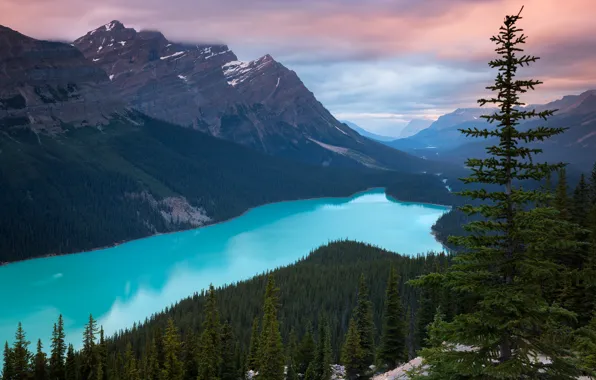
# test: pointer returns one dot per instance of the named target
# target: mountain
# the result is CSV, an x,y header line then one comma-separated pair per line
x,y
415,126
577,145
260,104
44,85
79,169
365,133
442,133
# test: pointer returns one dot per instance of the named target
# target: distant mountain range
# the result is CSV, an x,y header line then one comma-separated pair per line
x,y
443,140
363,132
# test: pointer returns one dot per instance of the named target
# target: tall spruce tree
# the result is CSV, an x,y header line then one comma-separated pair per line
x,y
252,362
393,339
320,366
510,254
351,354
131,371
210,341
561,201
102,352
70,366
7,368
21,356
152,364
306,351
581,202
89,355
271,352
228,354
191,356
40,370
363,314
58,352
292,349
173,368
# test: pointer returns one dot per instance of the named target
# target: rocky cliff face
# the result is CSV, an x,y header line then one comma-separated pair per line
x,y
259,103
48,86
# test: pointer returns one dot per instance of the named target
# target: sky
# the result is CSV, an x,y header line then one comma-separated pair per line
x,y
378,63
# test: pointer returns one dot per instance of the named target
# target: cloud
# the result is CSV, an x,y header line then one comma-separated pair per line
x,y
368,57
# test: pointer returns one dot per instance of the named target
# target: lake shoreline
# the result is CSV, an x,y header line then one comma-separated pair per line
x,y
116,244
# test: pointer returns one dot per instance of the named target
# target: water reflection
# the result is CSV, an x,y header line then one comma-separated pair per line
x,y
125,284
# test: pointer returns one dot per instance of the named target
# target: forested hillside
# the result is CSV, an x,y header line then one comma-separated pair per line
x,y
318,293
90,187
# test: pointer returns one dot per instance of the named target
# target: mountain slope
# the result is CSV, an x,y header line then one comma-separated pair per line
x,y
79,170
260,104
45,84
577,145
365,133
414,126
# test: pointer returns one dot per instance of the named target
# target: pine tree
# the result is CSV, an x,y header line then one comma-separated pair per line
x,y
8,368
228,353
70,367
510,254
320,366
58,354
292,348
585,345
152,366
89,356
102,351
306,351
581,202
593,185
40,363
271,353
191,356
363,314
393,340
131,371
210,341
351,354
21,356
172,368
561,201
253,351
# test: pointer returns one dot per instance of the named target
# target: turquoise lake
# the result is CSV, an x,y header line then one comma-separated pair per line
x,y
126,283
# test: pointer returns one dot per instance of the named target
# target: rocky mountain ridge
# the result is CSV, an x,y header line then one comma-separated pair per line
x,y
48,86
260,103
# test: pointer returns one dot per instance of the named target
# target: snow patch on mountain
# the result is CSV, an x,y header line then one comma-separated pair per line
x,y
173,55
237,72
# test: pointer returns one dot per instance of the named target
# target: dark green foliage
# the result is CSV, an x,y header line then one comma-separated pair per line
x,y
173,368
191,356
320,366
581,202
363,316
585,345
88,188
90,366
229,368
306,351
7,364
102,353
271,352
253,351
20,356
70,369
131,372
292,349
210,341
58,352
351,354
393,339
40,369
512,253
561,201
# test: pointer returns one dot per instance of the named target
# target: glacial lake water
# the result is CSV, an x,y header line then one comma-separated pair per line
x,y
126,283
